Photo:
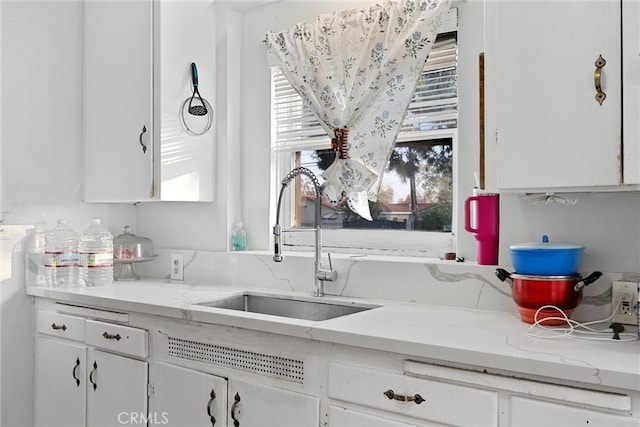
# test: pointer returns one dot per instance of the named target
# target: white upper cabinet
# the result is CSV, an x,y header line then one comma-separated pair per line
x,y
550,130
118,102
140,142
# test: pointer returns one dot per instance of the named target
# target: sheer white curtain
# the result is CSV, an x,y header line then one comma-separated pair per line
x,y
357,70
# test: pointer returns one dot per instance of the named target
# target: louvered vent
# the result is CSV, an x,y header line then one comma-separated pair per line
x,y
258,363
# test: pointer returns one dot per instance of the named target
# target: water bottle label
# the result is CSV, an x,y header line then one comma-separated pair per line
x,y
60,259
96,259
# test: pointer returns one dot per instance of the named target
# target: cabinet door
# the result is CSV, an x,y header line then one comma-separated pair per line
x,y
551,131
184,397
116,390
261,406
59,383
118,101
529,412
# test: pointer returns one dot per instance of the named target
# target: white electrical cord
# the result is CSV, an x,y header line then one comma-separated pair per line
x,y
572,330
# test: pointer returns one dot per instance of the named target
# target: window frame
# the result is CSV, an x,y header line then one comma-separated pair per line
x,y
429,244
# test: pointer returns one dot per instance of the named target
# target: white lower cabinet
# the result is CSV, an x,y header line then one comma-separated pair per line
x,y
117,390
395,396
78,386
60,383
252,404
186,397
424,394
78,383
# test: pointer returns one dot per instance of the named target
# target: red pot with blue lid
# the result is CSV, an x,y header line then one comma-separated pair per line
x,y
546,258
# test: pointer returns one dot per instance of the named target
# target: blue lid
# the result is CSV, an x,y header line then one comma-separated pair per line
x,y
545,244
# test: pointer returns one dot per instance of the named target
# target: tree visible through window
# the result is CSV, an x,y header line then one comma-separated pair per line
x,y
416,191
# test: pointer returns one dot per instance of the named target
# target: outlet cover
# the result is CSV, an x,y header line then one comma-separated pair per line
x,y
624,302
177,266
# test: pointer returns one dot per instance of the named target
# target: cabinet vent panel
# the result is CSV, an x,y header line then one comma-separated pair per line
x,y
257,363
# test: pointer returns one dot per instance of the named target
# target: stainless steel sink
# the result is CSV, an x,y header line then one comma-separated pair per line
x,y
283,306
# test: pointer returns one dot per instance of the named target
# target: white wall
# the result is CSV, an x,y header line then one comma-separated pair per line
x,y
41,118
40,167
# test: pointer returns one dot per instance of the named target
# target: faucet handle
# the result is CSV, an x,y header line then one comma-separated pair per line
x,y
327,275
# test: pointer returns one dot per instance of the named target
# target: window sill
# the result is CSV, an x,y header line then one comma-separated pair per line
x,y
397,259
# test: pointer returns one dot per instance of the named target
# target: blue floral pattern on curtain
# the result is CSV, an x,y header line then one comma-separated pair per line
x,y
357,70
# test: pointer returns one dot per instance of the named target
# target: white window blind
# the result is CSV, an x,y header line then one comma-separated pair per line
x,y
433,106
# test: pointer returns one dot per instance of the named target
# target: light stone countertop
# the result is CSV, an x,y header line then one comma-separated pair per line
x,y
486,340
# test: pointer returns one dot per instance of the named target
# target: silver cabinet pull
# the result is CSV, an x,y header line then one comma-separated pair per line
x,y
415,398
600,95
144,147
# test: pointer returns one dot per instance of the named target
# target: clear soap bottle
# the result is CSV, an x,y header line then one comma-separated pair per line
x,y
238,238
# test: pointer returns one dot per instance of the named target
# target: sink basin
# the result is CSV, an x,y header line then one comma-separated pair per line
x,y
283,306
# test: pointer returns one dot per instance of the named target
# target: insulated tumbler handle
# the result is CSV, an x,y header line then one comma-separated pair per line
x,y
467,214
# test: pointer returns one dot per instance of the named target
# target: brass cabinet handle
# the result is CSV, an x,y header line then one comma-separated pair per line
x,y
144,147
211,417
236,400
600,95
56,327
74,372
415,398
93,371
107,336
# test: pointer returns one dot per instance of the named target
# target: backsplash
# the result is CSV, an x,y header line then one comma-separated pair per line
x,y
443,283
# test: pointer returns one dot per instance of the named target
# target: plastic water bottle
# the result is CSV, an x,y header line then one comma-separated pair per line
x,y
34,246
95,256
61,255
238,238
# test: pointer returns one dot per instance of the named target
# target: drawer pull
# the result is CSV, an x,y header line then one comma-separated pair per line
x,y
211,417
93,371
112,337
415,398
74,373
56,327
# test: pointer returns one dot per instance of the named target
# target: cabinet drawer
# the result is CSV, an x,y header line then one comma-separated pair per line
x,y
531,412
123,339
60,325
443,402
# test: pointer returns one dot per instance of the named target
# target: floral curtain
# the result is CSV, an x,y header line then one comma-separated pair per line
x,y
357,70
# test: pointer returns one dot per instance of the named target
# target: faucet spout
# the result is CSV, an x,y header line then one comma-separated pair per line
x,y
320,275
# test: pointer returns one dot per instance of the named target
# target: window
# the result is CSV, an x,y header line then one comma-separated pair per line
x,y
414,211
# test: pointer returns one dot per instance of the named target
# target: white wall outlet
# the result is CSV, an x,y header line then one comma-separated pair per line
x,y
624,302
177,266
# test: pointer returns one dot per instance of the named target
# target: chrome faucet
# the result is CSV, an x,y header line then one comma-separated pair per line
x,y
319,275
